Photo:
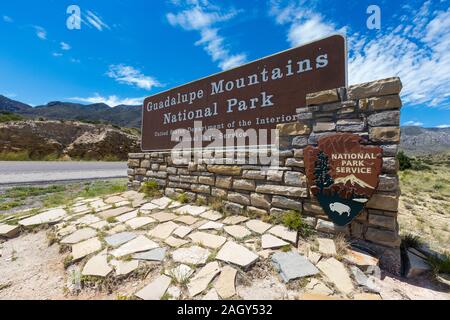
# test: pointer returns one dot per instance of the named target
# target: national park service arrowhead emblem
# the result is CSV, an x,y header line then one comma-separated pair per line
x,y
343,175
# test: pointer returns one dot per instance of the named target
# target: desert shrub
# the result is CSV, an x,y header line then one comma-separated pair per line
x,y
9,116
14,156
294,221
410,241
151,188
183,198
404,160
440,264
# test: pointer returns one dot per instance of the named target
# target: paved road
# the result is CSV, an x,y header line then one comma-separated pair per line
x,y
25,172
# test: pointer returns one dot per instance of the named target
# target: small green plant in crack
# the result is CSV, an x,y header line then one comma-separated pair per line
x,y
294,221
166,296
212,256
68,260
111,220
183,198
150,189
286,248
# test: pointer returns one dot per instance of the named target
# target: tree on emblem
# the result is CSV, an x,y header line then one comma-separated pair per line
x,y
321,172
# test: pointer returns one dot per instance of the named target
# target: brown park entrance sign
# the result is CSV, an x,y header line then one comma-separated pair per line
x,y
343,175
258,95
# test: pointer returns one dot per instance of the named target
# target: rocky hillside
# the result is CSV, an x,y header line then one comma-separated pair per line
x,y
124,116
66,139
416,141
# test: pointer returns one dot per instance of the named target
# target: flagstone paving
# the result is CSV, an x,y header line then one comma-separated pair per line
x,y
199,248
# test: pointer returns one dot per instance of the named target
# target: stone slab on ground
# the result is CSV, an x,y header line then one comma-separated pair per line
x,y
258,226
366,296
162,203
318,287
292,265
112,213
139,222
416,265
284,233
208,240
181,273
97,266
118,239
9,231
139,244
234,219
360,258
128,216
237,232
194,255
182,231
157,254
124,267
114,199
368,283
47,217
149,207
164,216
269,241
191,210
175,242
236,254
189,220
87,220
211,295
327,246
163,231
85,248
79,235
211,225
156,289
337,274
203,278
211,215
99,225
225,284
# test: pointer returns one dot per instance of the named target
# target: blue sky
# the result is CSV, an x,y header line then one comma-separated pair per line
x,y
127,50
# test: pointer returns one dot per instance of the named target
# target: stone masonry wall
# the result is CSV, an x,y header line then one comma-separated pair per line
x,y
371,110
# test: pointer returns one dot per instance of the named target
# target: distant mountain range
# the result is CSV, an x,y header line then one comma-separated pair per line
x,y
124,116
414,140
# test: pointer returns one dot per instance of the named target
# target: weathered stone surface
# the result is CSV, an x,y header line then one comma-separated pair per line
x,y
385,134
254,174
237,232
299,142
85,248
330,227
124,267
212,215
337,273
51,216
384,237
211,295
156,289
383,202
224,182
258,226
383,221
364,281
211,225
321,97
366,296
219,193
268,241
182,231
242,184
175,242
239,255
194,255
282,190
388,183
383,87
157,254
235,219
275,175
350,125
79,235
163,231
8,231
239,198
139,222
97,266
197,188
388,118
164,216
191,210
296,179
128,216
136,245
324,126
225,170
260,200
313,208
416,265
293,162
114,199
327,246
112,213
385,103
202,279
208,240
318,287
225,285
284,233
287,203
181,273
292,266
360,258
149,206
188,220
293,129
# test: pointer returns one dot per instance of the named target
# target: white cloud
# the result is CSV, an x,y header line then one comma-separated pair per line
x,y
416,49
131,76
201,16
95,21
413,123
57,54
111,101
65,46
41,33
443,126
8,19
